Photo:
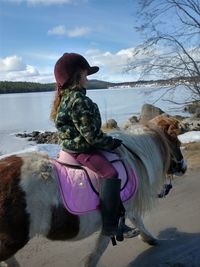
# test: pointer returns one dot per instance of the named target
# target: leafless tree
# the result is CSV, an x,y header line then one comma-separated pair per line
x,y
171,46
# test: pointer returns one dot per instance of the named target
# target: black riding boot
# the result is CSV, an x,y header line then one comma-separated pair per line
x,y
110,205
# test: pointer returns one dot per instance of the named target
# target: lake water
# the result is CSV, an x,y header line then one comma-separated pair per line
x,y
30,111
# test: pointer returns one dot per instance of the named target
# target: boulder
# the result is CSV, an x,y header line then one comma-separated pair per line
x,y
149,112
192,108
110,124
197,113
133,120
193,124
40,138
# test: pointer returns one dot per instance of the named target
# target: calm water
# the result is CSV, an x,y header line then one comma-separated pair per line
x,y
30,111
26,111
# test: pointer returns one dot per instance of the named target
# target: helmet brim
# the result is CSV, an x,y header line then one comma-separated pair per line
x,y
93,70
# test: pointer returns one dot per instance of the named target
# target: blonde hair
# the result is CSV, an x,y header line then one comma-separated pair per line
x,y
74,83
55,105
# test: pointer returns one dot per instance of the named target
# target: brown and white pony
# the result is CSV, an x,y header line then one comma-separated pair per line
x,y
30,203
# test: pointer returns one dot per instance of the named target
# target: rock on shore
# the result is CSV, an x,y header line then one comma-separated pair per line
x,y
148,112
40,137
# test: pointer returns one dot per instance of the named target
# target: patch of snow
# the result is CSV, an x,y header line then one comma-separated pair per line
x,y
193,136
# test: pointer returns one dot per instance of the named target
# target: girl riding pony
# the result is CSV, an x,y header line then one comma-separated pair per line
x,y
78,121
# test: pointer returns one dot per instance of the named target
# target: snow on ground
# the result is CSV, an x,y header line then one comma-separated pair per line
x,y
51,149
193,136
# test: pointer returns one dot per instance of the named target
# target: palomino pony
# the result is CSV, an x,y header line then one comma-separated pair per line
x,y
30,201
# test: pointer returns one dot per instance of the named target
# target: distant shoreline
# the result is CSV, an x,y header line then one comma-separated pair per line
x,y
8,87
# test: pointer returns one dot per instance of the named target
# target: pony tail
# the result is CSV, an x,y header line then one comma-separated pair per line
x,y
55,105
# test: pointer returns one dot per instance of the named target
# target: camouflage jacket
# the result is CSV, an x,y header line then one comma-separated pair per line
x,y
79,123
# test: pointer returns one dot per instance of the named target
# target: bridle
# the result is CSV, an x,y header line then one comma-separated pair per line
x,y
175,164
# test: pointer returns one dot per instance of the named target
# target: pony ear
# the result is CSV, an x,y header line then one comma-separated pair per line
x,y
174,130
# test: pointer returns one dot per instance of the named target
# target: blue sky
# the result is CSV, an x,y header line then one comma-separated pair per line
x,y
35,33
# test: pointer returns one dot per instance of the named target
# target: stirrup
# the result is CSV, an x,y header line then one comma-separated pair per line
x,y
120,230
125,231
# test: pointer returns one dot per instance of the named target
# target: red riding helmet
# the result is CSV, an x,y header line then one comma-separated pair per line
x,y
68,64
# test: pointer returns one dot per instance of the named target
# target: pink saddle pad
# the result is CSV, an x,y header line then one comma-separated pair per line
x,y
79,186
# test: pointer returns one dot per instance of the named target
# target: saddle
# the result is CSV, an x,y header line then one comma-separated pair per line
x,y
79,186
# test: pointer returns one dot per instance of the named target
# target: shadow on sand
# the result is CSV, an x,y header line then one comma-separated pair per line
x,y
175,249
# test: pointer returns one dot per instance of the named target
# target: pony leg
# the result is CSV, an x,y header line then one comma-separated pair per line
x,y
9,246
11,262
144,235
100,246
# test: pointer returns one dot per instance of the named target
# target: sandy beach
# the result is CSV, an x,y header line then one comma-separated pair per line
x,y
175,221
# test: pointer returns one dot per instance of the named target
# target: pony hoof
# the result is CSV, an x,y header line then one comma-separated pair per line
x,y
149,240
153,242
132,233
3,264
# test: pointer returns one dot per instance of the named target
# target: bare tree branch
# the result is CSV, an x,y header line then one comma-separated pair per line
x,y
172,42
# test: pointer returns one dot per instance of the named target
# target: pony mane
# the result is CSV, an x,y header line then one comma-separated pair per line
x,y
152,148
150,144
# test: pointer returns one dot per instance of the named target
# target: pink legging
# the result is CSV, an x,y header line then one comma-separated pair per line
x,y
97,163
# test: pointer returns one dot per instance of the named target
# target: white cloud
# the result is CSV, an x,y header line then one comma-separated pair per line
x,y
12,68
12,63
49,2
58,30
115,61
73,33
78,32
112,65
43,2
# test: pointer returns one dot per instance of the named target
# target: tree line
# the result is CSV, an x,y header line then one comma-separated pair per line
x,y
7,87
